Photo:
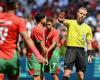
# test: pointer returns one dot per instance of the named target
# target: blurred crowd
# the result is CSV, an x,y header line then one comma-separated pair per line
x,y
26,9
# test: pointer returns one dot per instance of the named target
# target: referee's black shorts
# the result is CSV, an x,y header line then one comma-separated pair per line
x,y
75,56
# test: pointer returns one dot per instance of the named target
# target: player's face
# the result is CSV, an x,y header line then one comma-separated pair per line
x,y
49,25
43,21
61,15
81,15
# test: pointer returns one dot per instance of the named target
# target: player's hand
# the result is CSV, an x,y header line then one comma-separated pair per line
x,y
61,16
89,59
41,59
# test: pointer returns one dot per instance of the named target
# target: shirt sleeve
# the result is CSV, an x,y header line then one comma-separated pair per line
x,y
89,34
66,22
21,26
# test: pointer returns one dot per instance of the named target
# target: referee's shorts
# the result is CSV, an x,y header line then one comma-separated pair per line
x,y
75,56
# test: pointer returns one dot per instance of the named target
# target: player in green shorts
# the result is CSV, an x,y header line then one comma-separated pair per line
x,y
52,43
10,28
37,35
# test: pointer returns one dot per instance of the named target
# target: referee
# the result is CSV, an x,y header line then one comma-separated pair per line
x,y
78,33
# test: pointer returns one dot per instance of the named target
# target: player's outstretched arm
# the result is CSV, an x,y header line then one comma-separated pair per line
x,y
32,47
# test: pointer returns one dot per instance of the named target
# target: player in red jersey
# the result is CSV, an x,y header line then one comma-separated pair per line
x,y
10,27
38,37
52,43
1,75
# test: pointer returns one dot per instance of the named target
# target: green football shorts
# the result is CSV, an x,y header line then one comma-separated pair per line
x,y
54,64
34,67
10,67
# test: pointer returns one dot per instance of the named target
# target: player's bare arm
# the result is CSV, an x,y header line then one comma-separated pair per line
x,y
52,46
44,51
44,48
31,45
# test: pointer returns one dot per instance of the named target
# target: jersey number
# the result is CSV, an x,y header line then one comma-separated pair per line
x,y
54,65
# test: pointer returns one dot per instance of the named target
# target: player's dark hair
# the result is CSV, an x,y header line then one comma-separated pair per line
x,y
39,17
60,12
50,19
10,5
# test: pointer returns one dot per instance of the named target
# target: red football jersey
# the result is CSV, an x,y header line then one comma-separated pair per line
x,y
10,27
50,38
37,36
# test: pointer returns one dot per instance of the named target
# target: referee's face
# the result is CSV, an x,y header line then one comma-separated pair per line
x,y
81,15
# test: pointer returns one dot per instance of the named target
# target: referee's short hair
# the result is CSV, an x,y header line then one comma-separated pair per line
x,y
83,8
